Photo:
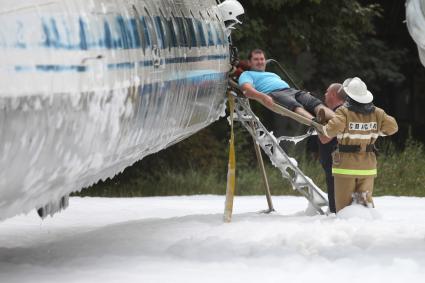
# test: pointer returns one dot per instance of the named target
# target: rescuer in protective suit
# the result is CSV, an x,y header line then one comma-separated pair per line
x,y
357,124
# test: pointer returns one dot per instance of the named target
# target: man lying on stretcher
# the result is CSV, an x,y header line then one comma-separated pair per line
x,y
268,88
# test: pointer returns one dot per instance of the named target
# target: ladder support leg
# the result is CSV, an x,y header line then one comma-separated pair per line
x,y
264,175
270,145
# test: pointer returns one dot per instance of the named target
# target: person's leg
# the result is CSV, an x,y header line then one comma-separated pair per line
x,y
286,98
327,167
364,186
331,192
344,189
313,105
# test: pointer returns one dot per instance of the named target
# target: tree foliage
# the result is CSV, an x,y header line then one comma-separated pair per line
x,y
318,42
321,41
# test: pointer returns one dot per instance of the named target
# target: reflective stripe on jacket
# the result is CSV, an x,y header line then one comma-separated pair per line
x,y
353,128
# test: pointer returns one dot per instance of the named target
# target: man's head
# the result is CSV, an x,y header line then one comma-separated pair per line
x,y
257,60
334,95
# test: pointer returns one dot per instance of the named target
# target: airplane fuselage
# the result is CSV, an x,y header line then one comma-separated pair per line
x,y
87,88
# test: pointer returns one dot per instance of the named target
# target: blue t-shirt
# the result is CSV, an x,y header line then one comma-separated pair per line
x,y
264,82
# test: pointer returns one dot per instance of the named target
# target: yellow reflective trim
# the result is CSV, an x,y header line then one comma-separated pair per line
x,y
354,172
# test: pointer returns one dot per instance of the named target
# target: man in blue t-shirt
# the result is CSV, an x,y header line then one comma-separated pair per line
x,y
268,88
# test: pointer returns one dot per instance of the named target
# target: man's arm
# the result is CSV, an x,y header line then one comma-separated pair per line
x,y
336,124
389,125
250,92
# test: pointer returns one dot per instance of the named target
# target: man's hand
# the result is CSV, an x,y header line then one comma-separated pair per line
x,y
320,129
267,101
250,92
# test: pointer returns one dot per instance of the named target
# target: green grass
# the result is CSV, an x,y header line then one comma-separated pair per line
x,y
400,173
190,182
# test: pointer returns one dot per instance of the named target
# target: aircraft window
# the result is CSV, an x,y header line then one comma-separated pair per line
x,y
167,28
124,38
151,29
192,24
211,41
190,31
139,29
173,33
51,34
107,41
179,25
160,32
219,33
131,30
186,31
176,30
146,33
201,33
83,36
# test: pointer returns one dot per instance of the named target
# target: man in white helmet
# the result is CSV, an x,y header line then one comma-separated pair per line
x,y
357,124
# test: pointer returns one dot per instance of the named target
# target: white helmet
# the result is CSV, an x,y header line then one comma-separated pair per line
x,y
356,89
230,10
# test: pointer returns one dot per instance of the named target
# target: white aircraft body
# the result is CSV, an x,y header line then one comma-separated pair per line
x,y
88,87
415,19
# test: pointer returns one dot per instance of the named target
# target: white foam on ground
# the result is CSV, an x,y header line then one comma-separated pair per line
x,y
183,239
359,211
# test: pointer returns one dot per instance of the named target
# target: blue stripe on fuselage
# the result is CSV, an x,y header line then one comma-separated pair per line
x,y
197,79
121,65
122,33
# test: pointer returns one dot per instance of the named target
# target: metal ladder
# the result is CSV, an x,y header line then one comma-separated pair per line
x,y
287,165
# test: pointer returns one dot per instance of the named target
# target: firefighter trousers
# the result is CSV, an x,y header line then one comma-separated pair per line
x,y
345,187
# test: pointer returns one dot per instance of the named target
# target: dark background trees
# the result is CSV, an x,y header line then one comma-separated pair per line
x,y
323,41
318,42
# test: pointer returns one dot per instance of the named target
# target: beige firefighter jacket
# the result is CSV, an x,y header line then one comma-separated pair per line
x,y
353,128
